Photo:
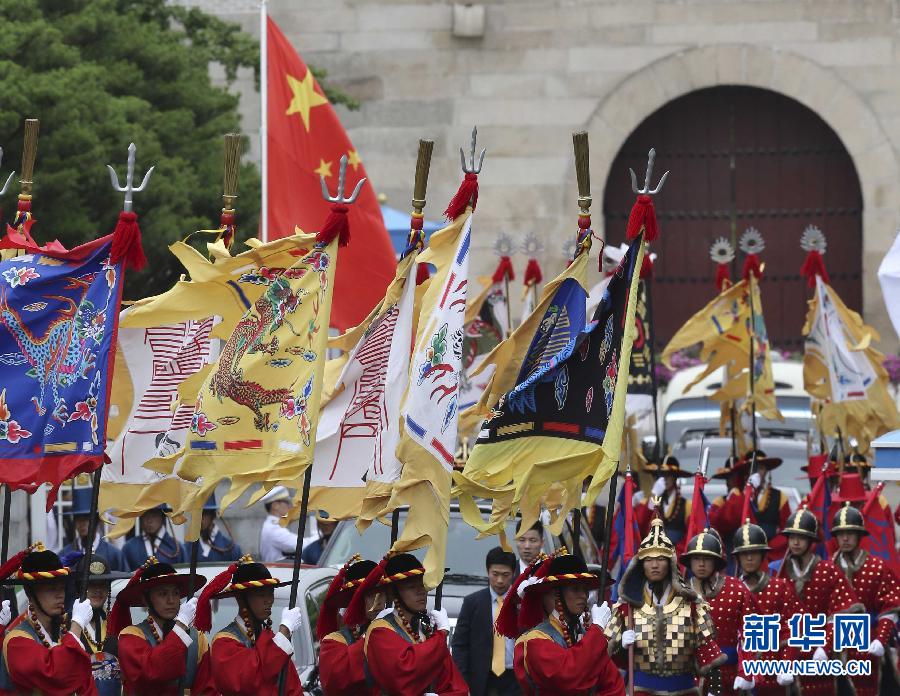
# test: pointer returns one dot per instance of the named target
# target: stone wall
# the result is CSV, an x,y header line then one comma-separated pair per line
x,y
543,69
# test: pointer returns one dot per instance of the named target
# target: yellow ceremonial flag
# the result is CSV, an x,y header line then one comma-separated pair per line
x,y
256,412
724,329
843,370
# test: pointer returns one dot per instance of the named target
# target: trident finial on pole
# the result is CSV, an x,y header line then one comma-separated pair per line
x,y
470,168
128,189
8,179
647,191
339,196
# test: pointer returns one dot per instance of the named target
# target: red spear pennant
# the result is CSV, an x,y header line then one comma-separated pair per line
x,y
643,214
467,195
813,242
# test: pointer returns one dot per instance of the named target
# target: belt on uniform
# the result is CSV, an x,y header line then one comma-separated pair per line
x,y
731,653
655,682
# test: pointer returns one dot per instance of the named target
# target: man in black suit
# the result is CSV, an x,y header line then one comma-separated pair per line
x,y
483,656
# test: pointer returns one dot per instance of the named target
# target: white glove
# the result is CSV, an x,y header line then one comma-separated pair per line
x,y
600,615
5,613
755,479
440,619
385,612
187,612
741,684
637,499
628,638
527,582
820,655
784,679
659,487
291,618
82,612
876,648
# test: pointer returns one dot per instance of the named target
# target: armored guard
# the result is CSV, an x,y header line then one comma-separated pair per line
x,y
247,656
406,647
771,595
668,624
820,587
875,585
729,601
674,509
163,655
563,649
43,654
342,661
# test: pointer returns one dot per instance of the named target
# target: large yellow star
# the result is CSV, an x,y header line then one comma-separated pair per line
x,y
353,159
305,97
324,169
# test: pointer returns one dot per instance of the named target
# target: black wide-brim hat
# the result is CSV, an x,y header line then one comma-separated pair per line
x,y
732,466
355,575
99,570
158,575
247,577
669,466
762,458
38,567
401,567
564,570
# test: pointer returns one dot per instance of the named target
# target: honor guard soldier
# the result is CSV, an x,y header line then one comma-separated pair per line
x,y
43,654
247,656
215,546
342,661
669,626
725,511
100,645
820,587
674,509
771,595
729,601
163,655
80,515
875,585
772,505
152,541
406,648
563,650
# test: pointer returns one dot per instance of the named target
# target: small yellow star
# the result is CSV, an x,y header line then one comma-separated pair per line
x,y
353,159
305,97
324,169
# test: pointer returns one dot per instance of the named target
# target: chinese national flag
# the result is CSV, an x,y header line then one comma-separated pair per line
x,y
306,141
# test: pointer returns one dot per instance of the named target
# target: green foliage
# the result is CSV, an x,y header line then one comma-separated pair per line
x,y
100,74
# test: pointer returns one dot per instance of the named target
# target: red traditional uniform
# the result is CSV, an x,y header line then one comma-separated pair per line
x,y
563,657
406,657
822,589
674,509
772,513
729,601
247,657
154,662
877,588
342,659
32,661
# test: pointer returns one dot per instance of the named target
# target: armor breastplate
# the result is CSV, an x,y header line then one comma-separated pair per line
x,y
665,638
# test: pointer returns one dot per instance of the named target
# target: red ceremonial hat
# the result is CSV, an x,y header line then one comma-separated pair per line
x,y
392,568
819,466
340,593
850,489
507,623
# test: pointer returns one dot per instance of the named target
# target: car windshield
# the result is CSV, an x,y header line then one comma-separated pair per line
x,y
698,413
465,553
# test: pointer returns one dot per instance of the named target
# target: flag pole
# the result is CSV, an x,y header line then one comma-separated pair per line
x,y
264,119
751,279
650,337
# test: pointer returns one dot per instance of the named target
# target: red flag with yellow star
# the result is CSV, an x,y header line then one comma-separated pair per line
x,y
306,140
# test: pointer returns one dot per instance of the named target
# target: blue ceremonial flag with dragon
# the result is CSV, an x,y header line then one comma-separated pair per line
x,y
58,321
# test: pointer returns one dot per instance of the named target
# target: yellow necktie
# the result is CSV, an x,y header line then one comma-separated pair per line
x,y
498,660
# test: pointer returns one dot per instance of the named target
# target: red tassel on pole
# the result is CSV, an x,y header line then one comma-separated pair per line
x,y
467,193
126,245
643,214
723,276
751,265
120,615
203,618
355,613
337,224
813,265
504,270
12,565
646,267
422,273
533,274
